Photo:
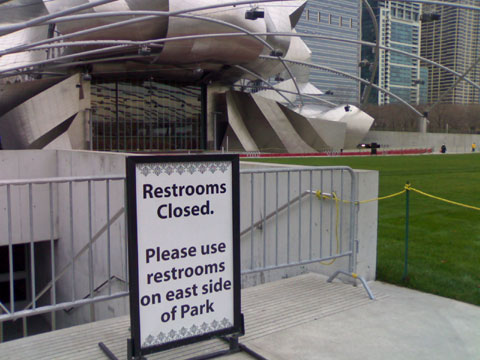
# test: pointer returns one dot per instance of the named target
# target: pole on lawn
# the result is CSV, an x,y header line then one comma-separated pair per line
x,y
407,215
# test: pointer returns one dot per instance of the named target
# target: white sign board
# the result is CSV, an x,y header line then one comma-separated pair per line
x,y
183,249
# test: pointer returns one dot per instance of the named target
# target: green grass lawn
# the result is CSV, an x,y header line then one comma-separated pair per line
x,y
444,239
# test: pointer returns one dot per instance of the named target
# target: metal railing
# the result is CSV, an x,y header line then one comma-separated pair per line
x,y
65,242
67,236
285,223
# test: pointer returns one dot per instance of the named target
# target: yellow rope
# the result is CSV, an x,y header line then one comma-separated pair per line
x,y
333,196
381,198
323,196
337,207
442,199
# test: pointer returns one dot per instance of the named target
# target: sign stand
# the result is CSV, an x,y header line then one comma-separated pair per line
x,y
107,351
184,252
235,346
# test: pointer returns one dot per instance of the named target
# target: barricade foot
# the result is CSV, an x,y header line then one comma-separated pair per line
x,y
354,276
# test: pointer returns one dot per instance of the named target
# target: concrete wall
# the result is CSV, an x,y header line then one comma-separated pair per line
x,y
77,230
456,143
35,164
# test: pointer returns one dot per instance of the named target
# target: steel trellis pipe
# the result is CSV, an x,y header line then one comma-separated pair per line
x,y
281,34
7,29
366,95
150,15
326,68
139,43
263,80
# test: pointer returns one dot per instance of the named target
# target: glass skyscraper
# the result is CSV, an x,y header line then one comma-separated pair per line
x,y
339,20
453,41
399,28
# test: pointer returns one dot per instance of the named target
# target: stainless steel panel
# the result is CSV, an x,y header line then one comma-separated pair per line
x,y
150,29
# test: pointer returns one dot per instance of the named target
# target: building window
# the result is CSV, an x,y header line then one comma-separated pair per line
x,y
308,15
319,17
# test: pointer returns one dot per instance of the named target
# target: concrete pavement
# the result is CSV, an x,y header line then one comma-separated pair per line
x,y
299,318
404,324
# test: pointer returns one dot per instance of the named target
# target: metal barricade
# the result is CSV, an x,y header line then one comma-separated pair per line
x,y
43,275
296,217
63,240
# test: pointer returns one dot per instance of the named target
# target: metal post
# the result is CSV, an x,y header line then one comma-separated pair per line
x,y
332,218
117,119
264,228
276,218
53,293
251,220
321,217
125,220
310,220
72,246
109,247
91,272
288,217
407,215
353,223
10,250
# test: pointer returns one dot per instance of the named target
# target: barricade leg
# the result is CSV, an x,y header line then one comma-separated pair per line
x,y
355,276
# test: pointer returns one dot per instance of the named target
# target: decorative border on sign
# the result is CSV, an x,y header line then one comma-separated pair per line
x,y
183,168
183,333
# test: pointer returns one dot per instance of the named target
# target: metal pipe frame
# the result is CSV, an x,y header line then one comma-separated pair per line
x,y
256,224
454,85
7,29
264,56
342,73
249,33
296,263
139,43
244,69
60,306
366,94
57,180
313,97
150,15
387,48
60,16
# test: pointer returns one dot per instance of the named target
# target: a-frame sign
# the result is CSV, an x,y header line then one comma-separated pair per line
x,y
184,250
